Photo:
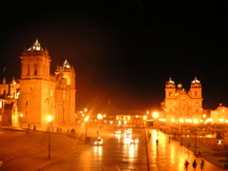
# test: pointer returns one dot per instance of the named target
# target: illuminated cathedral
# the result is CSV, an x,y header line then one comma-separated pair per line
x,y
39,94
180,103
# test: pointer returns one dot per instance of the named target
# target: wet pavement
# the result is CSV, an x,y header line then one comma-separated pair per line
x,y
170,155
28,151
118,153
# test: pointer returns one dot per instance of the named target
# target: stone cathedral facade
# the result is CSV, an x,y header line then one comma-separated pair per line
x,y
180,103
40,94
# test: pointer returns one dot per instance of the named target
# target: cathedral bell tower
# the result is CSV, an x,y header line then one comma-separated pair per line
x,y
196,89
66,93
195,93
68,73
170,89
35,62
37,89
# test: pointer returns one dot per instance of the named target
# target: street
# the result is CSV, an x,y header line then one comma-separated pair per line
x,y
117,153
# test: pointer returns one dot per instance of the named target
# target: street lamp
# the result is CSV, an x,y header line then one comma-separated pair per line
x,y
99,116
49,119
155,116
195,122
86,119
20,119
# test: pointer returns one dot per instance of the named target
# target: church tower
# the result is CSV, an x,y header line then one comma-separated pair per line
x,y
196,89
65,93
35,62
37,87
170,89
195,93
170,96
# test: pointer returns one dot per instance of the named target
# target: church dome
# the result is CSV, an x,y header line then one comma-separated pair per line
x,y
36,46
170,83
196,83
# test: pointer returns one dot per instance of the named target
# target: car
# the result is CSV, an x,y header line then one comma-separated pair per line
x,y
118,132
128,131
98,141
134,140
128,135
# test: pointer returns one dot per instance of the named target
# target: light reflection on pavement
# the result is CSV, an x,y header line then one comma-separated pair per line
x,y
171,155
117,151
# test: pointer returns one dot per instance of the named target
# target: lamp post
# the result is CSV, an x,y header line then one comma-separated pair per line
x,y
49,119
155,116
86,119
21,119
195,122
181,121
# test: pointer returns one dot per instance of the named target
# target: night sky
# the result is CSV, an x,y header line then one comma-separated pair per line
x,y
123,51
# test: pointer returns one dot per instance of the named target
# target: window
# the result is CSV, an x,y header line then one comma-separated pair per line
x,y
35,69
28,69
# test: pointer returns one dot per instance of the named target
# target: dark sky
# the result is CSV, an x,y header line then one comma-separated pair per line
x,y
123,50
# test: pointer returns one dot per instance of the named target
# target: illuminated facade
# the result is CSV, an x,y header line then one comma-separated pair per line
x,y
220,115
9,93
41,94
131,118
182,104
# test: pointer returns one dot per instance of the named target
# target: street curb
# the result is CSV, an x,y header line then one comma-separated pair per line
x,y
60,159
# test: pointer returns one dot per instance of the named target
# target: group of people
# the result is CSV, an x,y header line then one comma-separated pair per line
x,y
194,164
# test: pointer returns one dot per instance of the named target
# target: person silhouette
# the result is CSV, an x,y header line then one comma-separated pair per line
x,y
202,165
186,164
194,164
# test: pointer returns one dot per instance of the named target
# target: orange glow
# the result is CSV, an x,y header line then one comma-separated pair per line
x,y
99,116
181,120
86,118
195,121
155,114
49,118
221,120
145,117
